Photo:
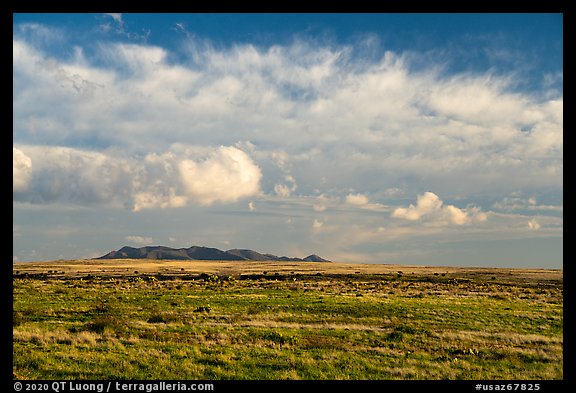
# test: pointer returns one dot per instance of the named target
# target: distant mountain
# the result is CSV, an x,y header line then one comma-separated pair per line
x,y
250,255
200,253
314,258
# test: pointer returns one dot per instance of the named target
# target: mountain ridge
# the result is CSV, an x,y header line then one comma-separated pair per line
x,y
200,253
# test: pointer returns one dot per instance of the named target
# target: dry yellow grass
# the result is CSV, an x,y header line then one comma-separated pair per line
x,y
122,267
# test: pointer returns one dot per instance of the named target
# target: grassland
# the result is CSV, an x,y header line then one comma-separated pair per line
x,y
123,319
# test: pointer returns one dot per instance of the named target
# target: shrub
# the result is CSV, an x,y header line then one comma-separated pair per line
x,y
280,338
209,277
106,322
159,317
98,325
18,318
399,331
102,307
406,329
395,336
206,308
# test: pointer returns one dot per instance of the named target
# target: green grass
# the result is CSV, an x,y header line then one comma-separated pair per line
x,y
333,327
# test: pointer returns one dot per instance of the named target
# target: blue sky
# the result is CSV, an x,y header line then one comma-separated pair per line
x,y
432,139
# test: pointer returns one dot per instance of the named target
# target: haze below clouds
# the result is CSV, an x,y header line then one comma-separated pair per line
x,y
348,150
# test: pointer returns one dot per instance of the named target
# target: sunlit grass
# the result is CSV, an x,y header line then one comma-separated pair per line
x,y
288,327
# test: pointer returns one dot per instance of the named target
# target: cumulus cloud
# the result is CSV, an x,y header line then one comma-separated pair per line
x,y
284,190
430,207
357,199
137,125
21,170
427,202
349,120
455,215
61,174
150,200
227,175
533,224
166,180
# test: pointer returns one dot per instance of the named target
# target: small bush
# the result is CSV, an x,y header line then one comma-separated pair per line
x,y
406,329
18,318
395,336
280,338
254,309
206,308
399,331
209,277
99,324
102,323
102,307
463,351
159,317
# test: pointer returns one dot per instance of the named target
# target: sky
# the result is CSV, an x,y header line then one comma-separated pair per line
x,y
419,139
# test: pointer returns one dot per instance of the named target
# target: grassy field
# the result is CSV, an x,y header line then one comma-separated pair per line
x,y
123,319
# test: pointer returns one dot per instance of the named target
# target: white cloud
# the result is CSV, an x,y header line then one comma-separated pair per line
x,y
357,199
149,200
430,207
472,98
476,214
118,26
227,175
40,33
426,203
167,180
72,175
21,170
116,16
140,240
533,224
320,203
285,190
349,121
320,121
517,202
455,215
